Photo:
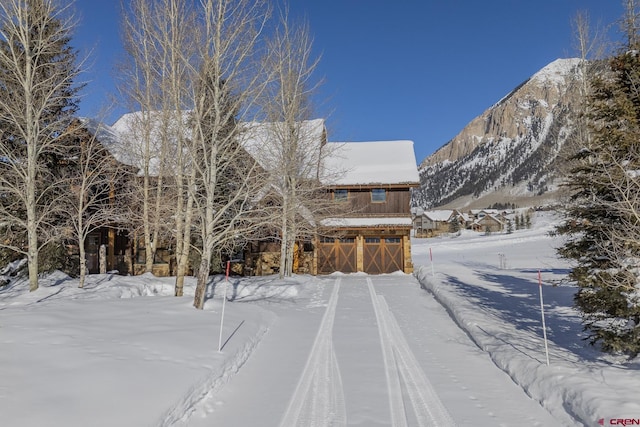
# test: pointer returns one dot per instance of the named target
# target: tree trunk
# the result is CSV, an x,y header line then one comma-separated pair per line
x,y
183,258
32,257
203,278
180,220
148,265
83,265
32,233
290,253
103,259
284,226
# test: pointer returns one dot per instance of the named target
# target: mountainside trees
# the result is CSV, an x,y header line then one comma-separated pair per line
x,y
603,217
38,98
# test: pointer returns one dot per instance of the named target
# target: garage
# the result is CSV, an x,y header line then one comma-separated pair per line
x,y
337,254
382,255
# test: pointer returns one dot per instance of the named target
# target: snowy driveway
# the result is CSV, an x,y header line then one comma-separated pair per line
x,y
381,352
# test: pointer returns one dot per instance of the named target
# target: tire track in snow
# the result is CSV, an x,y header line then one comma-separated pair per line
x,y
401,362
396,401
318,399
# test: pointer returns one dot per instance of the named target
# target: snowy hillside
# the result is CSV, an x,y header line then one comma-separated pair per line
x,y
465,334
515,148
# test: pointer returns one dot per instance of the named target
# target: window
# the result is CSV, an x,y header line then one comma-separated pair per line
x,y
378,195
392,240
375,240
341,195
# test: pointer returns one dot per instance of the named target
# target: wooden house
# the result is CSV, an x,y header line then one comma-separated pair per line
x,y
375,180
433,223
263,142
372,180
112,238
488,223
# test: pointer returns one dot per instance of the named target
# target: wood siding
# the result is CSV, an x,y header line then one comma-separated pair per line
x,y
397,203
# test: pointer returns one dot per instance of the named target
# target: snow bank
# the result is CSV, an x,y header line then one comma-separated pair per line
x,y
574,389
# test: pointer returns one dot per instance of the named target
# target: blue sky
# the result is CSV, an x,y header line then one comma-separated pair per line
x,y
395,69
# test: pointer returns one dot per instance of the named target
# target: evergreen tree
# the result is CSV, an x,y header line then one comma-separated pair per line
x,y
509,226
517,222
454,225
602,221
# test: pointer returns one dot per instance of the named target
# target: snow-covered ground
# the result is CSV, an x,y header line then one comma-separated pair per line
x,y
458,343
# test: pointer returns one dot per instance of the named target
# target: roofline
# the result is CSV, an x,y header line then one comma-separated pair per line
x,y
347,228
370,186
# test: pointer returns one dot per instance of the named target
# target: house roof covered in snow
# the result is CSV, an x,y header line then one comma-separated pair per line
x,y
367,222
264,142
370,163
110,139
439,215
343,163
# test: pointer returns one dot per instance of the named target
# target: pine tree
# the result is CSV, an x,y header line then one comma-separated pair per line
x,y
509,226
454,225
602,220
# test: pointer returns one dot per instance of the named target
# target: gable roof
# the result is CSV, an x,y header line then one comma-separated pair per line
x,y
370,163
343,163
110,139
441,215
262,142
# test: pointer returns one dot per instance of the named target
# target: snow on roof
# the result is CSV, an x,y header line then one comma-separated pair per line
x,y
346,163
263,142
110,139
370,163
439,215
366,222
130,144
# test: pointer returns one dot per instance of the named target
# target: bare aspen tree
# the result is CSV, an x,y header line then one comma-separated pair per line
x,y
295,143
180,35
162,38
94,180
38,98
196,74
141,82
227,177
173,31
630,22
590,45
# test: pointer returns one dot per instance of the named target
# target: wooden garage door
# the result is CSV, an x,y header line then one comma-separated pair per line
x,y
337,255
382,255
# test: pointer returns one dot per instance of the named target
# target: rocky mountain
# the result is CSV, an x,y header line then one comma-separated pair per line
x,y
513,152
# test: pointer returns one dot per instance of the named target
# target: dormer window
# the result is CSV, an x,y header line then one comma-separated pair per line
x,y
378,195
340,195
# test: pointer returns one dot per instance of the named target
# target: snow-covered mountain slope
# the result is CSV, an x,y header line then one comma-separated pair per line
x,y
513,152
